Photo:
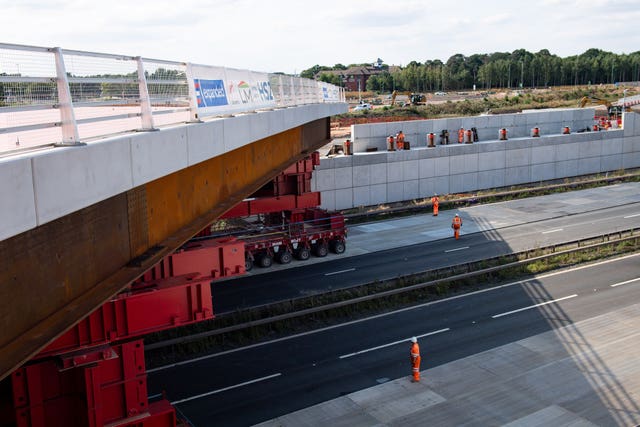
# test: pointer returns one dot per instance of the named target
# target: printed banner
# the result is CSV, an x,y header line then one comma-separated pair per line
x,y
220,91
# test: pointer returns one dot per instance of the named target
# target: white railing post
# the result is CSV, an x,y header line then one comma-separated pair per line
x,y
146,114
293,92
193,98
65,103
282,101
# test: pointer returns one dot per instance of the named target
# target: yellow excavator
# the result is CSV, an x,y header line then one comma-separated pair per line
x,y
413,98
612,110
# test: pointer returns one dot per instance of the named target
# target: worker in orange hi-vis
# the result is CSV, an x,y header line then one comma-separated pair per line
x,y
456,224
400,140
460,135
391,143
415,360
436,204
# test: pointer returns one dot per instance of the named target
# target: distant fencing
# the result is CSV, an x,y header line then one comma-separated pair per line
x,y
66,97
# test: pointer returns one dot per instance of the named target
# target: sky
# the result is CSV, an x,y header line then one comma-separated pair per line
x,y
292,35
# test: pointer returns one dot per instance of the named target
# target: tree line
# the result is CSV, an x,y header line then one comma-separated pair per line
x,y
519,68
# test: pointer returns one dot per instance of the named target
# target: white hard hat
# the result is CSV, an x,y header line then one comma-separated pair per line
x,y
457,215
414,339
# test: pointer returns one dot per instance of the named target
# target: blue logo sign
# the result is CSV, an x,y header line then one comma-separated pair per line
x,y
210,93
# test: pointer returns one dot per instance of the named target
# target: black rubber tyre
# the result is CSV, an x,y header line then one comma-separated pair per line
x,y
284,257
338,246
321,250
303,253
265,261
248,264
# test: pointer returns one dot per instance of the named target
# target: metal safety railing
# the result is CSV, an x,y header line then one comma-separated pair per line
x,y
54,96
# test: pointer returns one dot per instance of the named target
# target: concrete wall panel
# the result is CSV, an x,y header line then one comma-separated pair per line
x,y
361,196
361,175
588,165
379,174
73,178
426,168
204,141
344,198
395,191
611,163
411,190
156,154
491,160
325,180
517,175
427,187
543,172
518,157
16,190
567,168
491,178
442,166
378,194
410,170
394,172
545,154
344,178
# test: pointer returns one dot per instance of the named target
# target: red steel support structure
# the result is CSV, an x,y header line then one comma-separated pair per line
x,y
94,374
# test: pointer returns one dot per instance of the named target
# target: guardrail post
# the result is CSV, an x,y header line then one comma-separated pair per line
x,y
282,100
145,102
193,99
65,103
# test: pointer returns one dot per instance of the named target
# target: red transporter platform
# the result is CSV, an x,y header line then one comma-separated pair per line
x,y
94,374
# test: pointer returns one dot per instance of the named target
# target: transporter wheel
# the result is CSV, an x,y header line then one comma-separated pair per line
x,y
321,249
303,253
265,260
338,246
284,257
248,264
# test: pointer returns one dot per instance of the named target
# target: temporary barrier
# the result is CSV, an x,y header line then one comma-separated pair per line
x,y
431,140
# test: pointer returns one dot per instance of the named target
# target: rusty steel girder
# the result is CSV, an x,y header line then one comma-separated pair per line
x,y
53,276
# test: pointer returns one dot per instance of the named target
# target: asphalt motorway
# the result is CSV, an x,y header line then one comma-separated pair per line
x,y
260,382
349,271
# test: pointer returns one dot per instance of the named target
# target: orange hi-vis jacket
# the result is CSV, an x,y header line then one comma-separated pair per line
x,y
456,223
415,361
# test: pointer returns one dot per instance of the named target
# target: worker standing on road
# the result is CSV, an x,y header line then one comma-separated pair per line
x,y
436,204
460,135
456,224
400,140
415,360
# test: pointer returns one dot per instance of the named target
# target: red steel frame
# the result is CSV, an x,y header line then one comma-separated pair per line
x,y
94,374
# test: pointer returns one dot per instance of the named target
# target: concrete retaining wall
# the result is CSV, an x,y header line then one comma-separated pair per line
x,y
370,178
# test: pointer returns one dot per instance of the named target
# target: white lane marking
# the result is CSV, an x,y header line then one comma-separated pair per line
x,y
457,249
533,306
338,272
390,313
625,282
552,231
177,402
406,340
631,216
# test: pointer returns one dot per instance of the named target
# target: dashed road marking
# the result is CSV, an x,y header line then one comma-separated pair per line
x,y
257,380
533,306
